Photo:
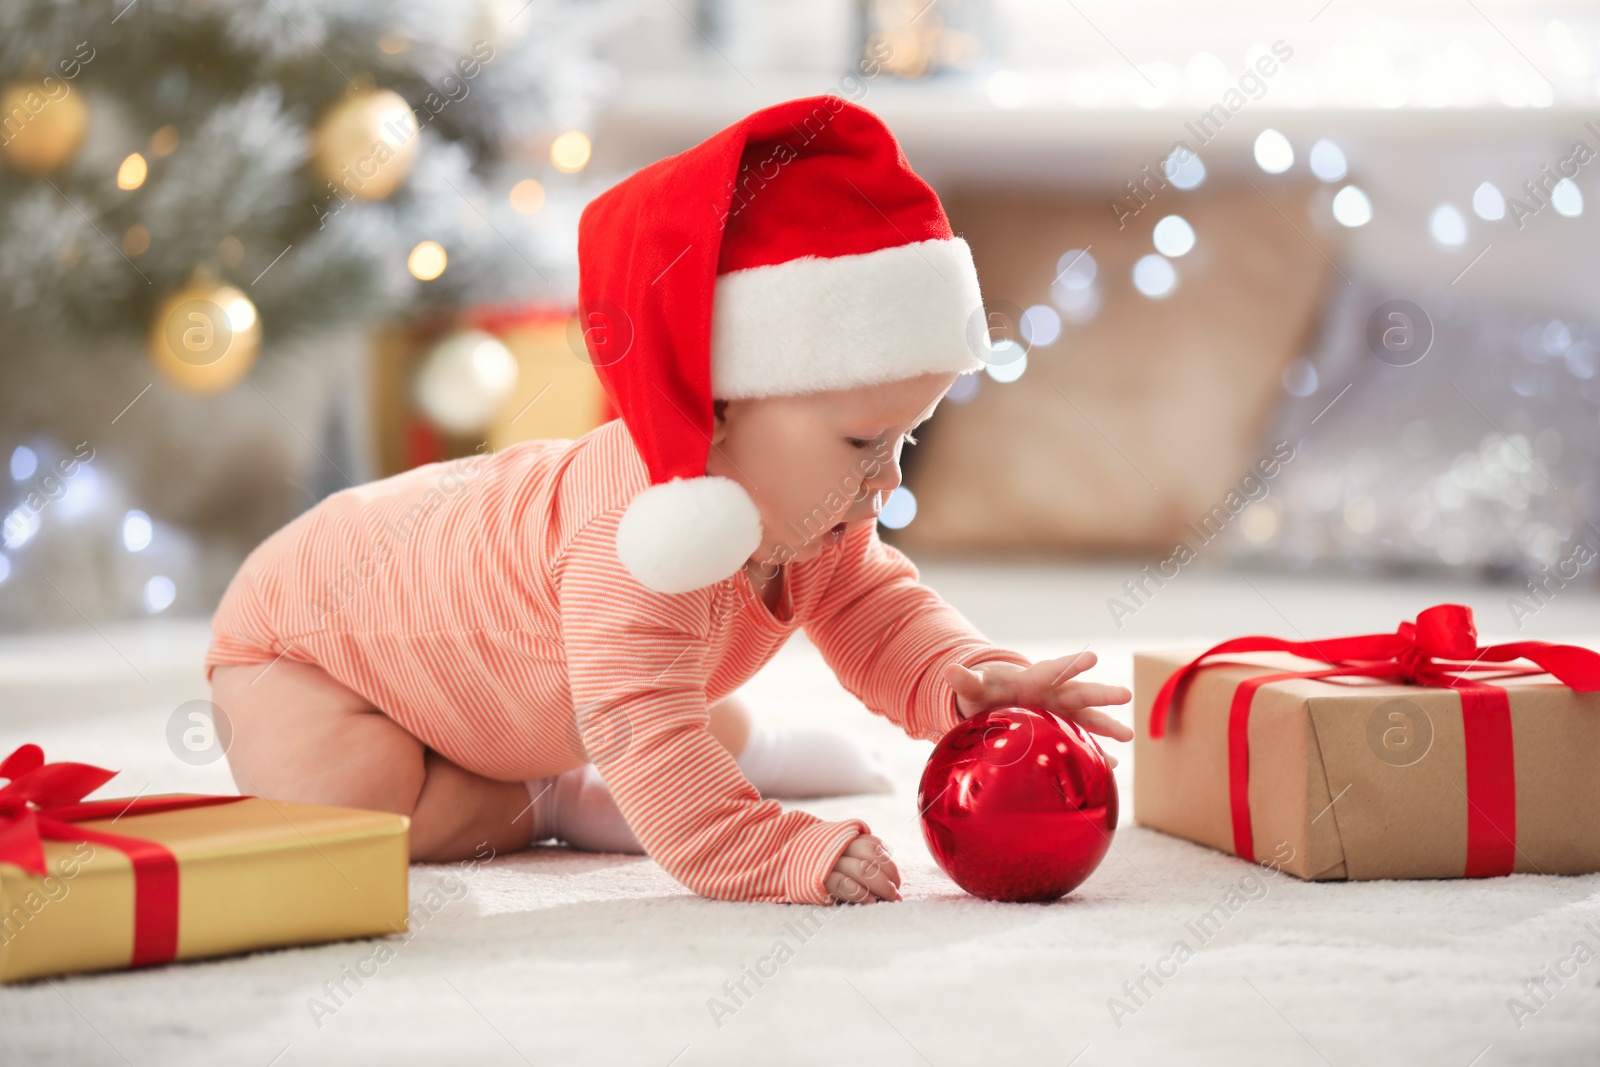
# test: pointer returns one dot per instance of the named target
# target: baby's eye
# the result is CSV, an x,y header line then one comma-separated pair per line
x,y
857,442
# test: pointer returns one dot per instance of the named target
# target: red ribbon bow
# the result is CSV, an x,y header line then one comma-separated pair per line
x,y
44,800
1439,649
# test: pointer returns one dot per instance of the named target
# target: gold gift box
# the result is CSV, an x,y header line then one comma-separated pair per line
x,y
1354,778
253,874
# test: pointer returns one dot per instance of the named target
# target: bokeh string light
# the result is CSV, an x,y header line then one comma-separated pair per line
x,y
66,514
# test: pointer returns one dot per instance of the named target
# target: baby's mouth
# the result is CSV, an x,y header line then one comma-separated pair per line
x,y
874,506
848,523
837,532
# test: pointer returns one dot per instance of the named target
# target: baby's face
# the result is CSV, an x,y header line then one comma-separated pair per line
x,y
818,462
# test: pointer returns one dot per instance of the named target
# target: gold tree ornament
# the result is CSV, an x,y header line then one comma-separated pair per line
x,y
366,144
205,336
44,124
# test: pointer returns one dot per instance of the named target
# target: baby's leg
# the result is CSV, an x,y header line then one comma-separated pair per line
x,y
730,723
300,735
797,761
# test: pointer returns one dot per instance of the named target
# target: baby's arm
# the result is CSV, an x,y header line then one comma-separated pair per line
x,y
914,659
637,665
889,638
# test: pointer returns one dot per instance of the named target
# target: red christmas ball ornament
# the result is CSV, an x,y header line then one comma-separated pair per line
x,y
1017,804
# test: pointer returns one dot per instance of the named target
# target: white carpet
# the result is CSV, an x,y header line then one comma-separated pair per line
x,y
554,957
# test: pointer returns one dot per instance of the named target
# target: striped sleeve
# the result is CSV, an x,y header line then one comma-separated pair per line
x,y
637,663
888,637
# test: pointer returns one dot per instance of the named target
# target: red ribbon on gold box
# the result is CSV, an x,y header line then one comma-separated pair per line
x,y
187,875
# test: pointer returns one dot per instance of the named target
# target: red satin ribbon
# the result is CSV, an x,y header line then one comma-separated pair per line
x,y
1439,649
42,802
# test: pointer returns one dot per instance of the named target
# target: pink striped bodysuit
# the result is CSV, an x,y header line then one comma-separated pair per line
x,y
480,604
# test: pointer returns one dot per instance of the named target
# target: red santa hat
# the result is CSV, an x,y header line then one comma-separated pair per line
x,y
793,252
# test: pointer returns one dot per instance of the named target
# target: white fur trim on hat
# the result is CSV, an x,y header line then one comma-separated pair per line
x,y
688,533
812,324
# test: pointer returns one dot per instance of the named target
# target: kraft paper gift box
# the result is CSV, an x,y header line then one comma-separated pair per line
x,y
1416,754
135,881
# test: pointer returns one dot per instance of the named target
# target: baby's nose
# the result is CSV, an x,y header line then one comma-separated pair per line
x,y
883,482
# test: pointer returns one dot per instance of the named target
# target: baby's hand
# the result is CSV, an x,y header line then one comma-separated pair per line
x,y
864,873
1043,685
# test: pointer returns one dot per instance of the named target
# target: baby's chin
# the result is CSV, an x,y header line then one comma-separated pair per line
x,y
809,550
830,538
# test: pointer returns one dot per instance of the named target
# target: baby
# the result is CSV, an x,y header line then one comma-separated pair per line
x,y
543,643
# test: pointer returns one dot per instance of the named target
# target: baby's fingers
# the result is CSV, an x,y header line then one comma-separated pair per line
x,y
1098,722
967,682
846,889
1089,694
874,854
869,873
1055,671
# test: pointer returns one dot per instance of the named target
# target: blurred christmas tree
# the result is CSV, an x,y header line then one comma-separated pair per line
x,y
188,184
329,160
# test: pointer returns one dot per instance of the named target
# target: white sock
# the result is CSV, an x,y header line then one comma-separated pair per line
x,y
800,761
810,761
577,808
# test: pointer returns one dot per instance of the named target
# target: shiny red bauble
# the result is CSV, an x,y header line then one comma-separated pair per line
x,y
1017,804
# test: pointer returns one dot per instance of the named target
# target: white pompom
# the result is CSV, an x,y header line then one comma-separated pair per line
x,y
688,533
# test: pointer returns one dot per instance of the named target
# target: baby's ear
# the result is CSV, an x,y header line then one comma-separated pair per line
x,y
719,429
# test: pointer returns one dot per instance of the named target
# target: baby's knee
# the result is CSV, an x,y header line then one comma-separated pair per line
x,y
730,723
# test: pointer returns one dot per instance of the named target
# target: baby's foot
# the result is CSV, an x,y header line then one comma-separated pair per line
x,y
577,808
810,761
780,761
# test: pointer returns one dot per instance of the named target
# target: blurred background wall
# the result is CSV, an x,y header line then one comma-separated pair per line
x,y
1297,286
